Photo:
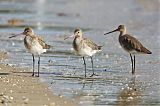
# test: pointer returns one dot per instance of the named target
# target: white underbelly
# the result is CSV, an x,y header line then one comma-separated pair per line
x,y
87,52
36,49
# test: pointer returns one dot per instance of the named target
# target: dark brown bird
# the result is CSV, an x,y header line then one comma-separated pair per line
x,y
130,44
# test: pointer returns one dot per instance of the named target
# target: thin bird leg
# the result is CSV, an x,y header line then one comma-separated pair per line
x,y
38,65
84,66
132,64
92,67
33,64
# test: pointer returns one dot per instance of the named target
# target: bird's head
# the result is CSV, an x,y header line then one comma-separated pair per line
x,y
27,31
121,28
78,32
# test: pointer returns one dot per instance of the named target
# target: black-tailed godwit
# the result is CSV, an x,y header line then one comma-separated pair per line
x,y
84,47
34,44
130,44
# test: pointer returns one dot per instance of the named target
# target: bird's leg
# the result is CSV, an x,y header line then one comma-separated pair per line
x,y
132,64
92,67
84,66
33,64
38,64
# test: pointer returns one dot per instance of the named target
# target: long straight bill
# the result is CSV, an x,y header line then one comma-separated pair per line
x,y
69,37
15,35
111,32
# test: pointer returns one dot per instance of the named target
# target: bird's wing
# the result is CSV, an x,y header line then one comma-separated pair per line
x,y
91,44
42,43
132,43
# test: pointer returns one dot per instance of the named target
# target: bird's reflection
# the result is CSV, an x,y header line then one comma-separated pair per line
x,y
130,94
87,82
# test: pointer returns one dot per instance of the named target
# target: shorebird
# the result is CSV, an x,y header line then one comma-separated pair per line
x,y
34,44
130,44
84,47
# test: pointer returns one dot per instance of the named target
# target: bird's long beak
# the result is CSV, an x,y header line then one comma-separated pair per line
x,y
111,31
72,36
15,35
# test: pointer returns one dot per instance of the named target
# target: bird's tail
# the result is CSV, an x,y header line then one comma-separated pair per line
x,y
99,47
47,46
145,50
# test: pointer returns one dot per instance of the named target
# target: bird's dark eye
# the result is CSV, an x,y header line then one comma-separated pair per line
x,y
78,32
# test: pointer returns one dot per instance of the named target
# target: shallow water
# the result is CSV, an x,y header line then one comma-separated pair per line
x,y
63,71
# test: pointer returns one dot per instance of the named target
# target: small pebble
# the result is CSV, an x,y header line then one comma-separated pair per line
x,y
52,104
26,100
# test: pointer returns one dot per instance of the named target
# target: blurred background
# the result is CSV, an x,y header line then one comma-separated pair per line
x,y
63,71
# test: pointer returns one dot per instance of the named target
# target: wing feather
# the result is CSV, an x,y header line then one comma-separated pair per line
x,y
42,43
91,44
130,43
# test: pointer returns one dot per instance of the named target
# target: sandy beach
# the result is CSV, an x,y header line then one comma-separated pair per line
x,y
18,88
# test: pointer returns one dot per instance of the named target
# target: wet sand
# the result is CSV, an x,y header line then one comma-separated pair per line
x,y
18,88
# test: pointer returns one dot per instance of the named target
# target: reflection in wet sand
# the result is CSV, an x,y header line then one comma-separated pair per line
x,y
130,95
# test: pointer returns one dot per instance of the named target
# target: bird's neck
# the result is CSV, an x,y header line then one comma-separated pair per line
x,y
78,39
76,43
30,34
122,33
29,38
